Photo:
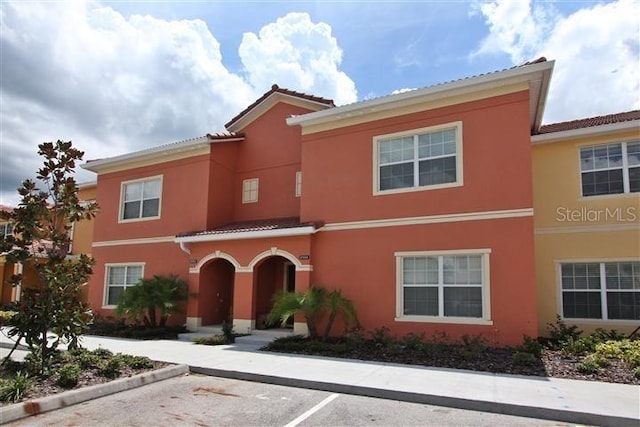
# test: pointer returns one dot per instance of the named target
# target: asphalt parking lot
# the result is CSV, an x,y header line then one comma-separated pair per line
x,y
198,400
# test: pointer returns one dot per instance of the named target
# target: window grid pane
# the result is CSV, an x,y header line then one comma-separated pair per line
x,y
457,279
610,169
119,278
142,199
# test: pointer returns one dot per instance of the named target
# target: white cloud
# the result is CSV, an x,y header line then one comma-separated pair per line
x,y
82,71
597,52
403,90
297,53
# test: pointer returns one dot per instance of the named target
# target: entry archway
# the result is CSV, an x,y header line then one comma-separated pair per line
x,y
216,291
272,274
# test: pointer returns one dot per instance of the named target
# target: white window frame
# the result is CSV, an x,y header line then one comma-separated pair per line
x,y
486,288
604,320
298,184
123,185
106,279
415,133
4,232
625,169
250,189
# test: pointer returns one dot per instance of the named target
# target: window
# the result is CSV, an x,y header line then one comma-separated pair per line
x,y
141,199
423,159
610,169
605,290
6,229
250,190
452,284
118,278
298,184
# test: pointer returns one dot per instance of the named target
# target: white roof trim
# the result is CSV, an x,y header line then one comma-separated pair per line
x,y
538,75
586,131
238,235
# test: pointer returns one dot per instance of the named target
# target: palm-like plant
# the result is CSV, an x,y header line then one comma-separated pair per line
x,y
150,298
313,305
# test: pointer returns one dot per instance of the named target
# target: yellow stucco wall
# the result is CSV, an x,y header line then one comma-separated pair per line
x,y
83,230
572,228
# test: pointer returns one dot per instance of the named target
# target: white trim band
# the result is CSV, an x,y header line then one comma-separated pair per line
x,y
431,219
125,242
260,234
605,228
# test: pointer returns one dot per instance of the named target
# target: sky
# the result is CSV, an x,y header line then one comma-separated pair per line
x,y
120,76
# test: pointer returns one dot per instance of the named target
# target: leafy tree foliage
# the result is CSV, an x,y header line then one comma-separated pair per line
x,y
314,305
50,311
152,299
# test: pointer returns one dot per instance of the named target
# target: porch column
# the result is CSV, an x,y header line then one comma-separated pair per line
x,y
303,281
243,302
194,317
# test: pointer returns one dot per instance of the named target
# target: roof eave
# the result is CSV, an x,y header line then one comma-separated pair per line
x,y
98,166
259,234
585,131
534,72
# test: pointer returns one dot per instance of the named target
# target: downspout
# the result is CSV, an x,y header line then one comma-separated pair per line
x,y
184,248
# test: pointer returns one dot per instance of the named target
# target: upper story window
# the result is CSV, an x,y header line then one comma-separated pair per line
x,y
298,184
601,290
250,190
421,159
452,285
140,199
610,169
6,229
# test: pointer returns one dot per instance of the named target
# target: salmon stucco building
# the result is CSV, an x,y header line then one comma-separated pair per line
x,y
418,206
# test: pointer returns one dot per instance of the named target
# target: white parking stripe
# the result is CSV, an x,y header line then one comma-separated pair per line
x,y
312,411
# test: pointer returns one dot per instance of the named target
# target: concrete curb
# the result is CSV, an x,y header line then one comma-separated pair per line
x,y
72,397
430,399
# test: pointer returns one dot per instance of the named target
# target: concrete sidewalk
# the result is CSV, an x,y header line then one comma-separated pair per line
x,y
583,402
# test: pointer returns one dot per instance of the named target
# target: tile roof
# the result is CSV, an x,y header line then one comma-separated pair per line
x,y
275,88
590,122
256,225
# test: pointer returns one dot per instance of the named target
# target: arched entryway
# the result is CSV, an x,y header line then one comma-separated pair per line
x,y
272,275
216,291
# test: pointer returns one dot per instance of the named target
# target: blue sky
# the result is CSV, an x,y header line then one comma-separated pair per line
x,y
118,76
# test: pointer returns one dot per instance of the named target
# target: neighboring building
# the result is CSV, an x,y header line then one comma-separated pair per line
x,y
81,240
418,206
586,191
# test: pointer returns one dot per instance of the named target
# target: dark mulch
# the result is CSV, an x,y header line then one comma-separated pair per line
x,y
121,329
552,363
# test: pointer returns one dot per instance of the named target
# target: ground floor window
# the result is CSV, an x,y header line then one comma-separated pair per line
x,y
601,290
118,278
447,285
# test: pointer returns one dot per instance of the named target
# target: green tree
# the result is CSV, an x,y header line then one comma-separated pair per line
x,y
42,223
313,305
150,299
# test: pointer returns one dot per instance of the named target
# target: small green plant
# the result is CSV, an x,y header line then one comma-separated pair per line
x,y
531,346
111,368
470,346
590,364
68,375
212,340
577,346
636,372
14,389
102,352
134,362
413,341
524,358
85,358
227,332
382,337
559,332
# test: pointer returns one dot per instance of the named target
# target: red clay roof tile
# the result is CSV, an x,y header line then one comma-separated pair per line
x,y
275,88
256,225
590,122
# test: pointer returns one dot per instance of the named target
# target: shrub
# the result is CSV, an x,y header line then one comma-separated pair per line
x,y
134,362
150,299
531,346
14,389
524,358
590,364
227,332
636,372
382,337
85,358
212,340
577,346
68,375
602,335
102,352
413,341
111,368
559,332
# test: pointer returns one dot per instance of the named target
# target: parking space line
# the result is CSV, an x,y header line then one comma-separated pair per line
x,y
312,411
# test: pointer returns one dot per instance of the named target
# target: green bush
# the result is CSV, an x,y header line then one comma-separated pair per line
x,y
134,362
85,358
413,341
382,337
12,390
524,358
111,368
591,364
626,349
102,353
577,346
212,340
531,346
68,375
559,332
636,372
